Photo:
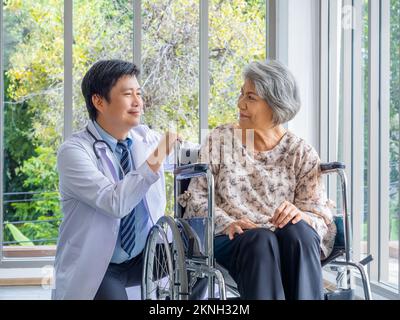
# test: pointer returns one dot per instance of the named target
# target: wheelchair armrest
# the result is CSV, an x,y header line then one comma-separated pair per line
x,y
190,171
331,166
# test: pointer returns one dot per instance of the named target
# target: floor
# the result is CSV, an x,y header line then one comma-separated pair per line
x,y
24,293
44,292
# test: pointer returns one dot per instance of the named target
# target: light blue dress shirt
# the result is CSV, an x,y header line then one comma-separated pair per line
x,y
142,219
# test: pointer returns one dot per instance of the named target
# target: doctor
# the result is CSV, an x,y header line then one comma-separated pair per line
x,y
112,188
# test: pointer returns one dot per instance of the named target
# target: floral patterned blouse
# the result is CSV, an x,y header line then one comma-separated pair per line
x,y
253,184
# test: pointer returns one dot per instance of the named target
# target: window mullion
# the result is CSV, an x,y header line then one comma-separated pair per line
x,y
373,123
137,33
357,206
334,78
384,127
1,130
347,95
68,65
324,81
271,29
204,66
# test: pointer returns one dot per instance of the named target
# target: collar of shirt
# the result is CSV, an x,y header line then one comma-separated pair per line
x,y
111,140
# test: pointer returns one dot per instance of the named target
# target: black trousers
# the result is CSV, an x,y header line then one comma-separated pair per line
x,y
267,265
118,277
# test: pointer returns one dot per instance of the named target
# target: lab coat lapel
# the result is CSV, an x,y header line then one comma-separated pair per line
x,y
109,170
106,156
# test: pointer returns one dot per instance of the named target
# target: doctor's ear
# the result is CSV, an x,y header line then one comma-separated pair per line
x,y
98,102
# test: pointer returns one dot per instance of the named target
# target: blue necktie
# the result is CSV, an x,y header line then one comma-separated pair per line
x,y
127,227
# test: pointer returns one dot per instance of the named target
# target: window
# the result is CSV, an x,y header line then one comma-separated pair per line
x,y
49,45
365,77
102,30
237,37
394,158
363,66
170,77
33,105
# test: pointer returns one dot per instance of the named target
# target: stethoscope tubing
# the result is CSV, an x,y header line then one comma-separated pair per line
x,y
96,141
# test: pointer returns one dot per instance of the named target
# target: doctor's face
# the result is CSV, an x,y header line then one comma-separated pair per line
x,y
124,106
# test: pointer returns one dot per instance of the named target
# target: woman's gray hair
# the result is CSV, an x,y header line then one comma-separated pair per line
x,y
277,86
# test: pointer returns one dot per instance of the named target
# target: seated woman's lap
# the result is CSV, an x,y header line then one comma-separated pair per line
x,y
263,262
298,235
247,257
254,242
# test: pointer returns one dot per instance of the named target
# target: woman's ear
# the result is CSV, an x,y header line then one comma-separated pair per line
x,y
98,102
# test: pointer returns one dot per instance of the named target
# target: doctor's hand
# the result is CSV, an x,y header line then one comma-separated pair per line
x,y
164,148
287,212
168,141
238,227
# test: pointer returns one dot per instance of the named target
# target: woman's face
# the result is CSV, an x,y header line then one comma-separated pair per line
x,y
254,112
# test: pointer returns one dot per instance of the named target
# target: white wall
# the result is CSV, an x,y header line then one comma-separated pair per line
x,y
303,61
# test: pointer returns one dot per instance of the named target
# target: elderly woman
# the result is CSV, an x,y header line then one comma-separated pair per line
x,y
273,220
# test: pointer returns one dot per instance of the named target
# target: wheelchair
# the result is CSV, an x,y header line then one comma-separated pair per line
x,y
187,245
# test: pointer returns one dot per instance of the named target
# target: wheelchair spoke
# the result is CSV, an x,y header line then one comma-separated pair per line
x,y
165,272
160,262
161,276
164,256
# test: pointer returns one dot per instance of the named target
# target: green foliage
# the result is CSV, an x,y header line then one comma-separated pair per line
x,y
18,235
34,60
169,184
41,175
394,142
237,36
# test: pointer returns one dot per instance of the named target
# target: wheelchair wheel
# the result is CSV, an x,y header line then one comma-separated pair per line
x,y
164,270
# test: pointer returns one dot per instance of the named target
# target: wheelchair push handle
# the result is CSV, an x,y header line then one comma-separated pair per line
x,y
331,166
188,171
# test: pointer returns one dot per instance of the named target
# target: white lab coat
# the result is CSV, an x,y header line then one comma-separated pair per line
x,y
93,202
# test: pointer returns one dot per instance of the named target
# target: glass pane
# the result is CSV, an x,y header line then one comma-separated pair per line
x,y
237,37
170,70
33,124
103,29
364,118
394,188
341,114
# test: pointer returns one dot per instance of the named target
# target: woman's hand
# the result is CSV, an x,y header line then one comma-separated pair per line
x,y
238,227
287,212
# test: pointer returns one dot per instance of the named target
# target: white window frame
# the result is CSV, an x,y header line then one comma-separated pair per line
x,y
68,91
68,67
204,85
277,48
1,130
378,118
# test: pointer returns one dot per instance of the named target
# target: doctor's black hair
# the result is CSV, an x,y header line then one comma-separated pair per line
x,y
100,79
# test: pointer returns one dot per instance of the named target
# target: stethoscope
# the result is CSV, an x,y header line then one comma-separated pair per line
x,y
96,141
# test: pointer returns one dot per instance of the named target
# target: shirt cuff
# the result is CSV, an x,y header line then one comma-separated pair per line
x,y
149,175
222,221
